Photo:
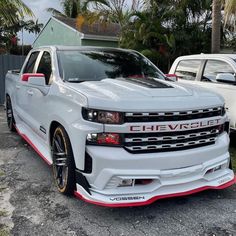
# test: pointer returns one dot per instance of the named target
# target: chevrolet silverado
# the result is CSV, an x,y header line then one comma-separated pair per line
x,y
115,130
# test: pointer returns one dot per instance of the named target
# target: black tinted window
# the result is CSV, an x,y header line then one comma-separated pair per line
x,y
95,65
45,66
29,68
215,67
188,69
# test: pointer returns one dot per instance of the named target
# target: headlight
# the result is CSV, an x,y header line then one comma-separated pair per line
x,y
105,117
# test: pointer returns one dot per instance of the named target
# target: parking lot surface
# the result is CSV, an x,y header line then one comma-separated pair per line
x,y
31,205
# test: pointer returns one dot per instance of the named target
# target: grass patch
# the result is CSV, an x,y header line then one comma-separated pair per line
x,y
3,213
4,230
2,189
1,173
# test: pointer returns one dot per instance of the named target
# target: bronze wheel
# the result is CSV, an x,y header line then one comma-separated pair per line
x,y
63,162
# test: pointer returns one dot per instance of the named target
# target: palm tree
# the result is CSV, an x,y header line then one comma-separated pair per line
x,y
71,8
216,26
33,26
12,11
229,18
116,11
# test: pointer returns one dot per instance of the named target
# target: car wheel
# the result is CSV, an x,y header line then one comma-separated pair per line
x,y
9,114
63,162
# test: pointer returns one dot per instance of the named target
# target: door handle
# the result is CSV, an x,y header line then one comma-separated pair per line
x,y
18,86
30,92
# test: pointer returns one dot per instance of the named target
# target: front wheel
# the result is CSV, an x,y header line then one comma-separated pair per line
x,y
63,162
9,114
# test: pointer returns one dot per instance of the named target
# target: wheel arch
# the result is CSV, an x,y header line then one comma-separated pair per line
x,y
54,124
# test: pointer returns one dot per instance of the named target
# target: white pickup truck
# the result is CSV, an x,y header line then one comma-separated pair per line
x,y
114,130
216,72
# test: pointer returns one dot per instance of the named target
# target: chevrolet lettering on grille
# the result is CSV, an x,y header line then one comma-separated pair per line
x,y
174,127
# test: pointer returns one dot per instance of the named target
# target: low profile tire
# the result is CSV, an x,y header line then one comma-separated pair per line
x,y
63,162
9,114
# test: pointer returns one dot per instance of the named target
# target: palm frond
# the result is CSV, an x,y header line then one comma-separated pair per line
x,y
55,12
230,13
12,11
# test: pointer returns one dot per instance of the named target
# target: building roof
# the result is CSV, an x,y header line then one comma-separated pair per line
x,y
97,28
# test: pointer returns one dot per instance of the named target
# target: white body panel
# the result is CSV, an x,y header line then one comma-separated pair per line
x,y
227,91
172,172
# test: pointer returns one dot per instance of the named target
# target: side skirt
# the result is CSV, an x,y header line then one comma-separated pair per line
x,y
33,146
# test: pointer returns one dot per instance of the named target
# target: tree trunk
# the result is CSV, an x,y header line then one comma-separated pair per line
x,y
216,26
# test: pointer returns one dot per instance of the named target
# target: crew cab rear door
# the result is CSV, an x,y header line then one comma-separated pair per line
x,y
22,101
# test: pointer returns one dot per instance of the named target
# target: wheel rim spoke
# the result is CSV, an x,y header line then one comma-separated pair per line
x,y
60,160
57,146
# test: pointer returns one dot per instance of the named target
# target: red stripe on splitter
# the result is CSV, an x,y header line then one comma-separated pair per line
x,y
33,146
153,199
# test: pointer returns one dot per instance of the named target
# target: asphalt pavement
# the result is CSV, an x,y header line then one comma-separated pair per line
x,y
31,205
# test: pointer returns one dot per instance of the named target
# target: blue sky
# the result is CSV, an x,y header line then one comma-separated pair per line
x,y
39,8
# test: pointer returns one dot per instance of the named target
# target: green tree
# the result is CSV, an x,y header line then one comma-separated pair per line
x,y
165,29
33,26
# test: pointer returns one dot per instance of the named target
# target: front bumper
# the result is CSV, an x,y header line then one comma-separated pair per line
x,y
81,194
172,173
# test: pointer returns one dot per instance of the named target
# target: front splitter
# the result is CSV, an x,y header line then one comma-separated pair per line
x,y
155,198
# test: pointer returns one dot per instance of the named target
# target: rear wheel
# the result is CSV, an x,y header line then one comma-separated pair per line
x,y
63,162
9,114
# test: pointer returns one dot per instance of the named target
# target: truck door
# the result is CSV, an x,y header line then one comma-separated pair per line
x,y
37,101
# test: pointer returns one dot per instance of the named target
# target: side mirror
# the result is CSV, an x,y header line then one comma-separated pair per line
x,y
172,77
226,78
25,77
36,81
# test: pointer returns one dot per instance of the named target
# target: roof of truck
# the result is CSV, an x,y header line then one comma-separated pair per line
x,y
203,56
81,48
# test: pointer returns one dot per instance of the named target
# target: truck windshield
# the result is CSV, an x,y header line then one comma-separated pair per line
x,y
97,64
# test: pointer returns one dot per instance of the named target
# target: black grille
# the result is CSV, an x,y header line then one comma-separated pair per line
x,y
171,141
173,116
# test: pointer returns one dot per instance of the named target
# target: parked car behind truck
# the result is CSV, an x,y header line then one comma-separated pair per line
x,y
216,72
115,132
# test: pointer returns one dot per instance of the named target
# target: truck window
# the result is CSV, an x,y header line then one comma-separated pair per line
x,y
78,66
188,69
45,66
214,67
29,68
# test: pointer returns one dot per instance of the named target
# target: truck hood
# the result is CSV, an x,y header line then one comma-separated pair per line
x,y
122,95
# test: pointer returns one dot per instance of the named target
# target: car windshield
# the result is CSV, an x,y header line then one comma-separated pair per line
x,y
96,64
